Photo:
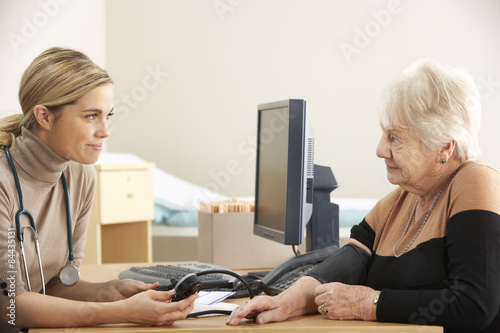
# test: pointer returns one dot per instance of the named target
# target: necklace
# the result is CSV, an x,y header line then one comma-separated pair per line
x,y
423,223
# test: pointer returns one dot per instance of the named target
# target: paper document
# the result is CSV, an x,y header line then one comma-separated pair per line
x,y
221,306
212,297
211,300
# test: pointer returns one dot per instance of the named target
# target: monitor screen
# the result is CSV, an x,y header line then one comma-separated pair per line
x,y
284,172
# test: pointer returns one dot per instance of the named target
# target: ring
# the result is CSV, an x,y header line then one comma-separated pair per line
x,y
322,309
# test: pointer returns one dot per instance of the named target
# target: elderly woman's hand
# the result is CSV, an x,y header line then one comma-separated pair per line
x,y
262,309
342,301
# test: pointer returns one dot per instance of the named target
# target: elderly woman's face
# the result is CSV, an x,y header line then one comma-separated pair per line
x,y
408,162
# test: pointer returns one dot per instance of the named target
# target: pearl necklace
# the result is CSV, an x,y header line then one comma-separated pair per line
x,y
423,223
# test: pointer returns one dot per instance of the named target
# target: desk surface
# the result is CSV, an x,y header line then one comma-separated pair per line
x,y
309,323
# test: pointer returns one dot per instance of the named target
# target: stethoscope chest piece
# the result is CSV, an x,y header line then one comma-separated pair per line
x,y
69,275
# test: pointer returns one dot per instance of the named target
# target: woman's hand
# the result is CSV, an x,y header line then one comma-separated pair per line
x,y
150,307
342,301
295,301
262,309
116,290
154,308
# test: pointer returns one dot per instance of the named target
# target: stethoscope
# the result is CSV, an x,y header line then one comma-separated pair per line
x,y
69,274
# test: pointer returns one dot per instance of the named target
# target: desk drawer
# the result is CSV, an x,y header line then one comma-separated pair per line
x,y
126,196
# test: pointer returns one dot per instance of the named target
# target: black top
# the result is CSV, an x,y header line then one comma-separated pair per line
x,y
450,275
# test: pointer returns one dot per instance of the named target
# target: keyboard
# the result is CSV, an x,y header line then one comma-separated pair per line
x,y
165,273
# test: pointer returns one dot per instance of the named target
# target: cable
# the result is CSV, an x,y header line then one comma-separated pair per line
x,y
295,251
220,271
236,275
208,312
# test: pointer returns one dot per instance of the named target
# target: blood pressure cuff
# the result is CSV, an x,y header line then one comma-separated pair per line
x,y
348,265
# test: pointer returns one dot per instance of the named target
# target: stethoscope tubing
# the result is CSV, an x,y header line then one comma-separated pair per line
x,y
68,218
21,211
74,276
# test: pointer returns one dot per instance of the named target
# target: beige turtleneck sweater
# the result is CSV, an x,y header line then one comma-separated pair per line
x,y
39,170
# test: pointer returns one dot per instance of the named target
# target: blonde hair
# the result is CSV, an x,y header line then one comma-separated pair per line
x,y
438,105
55,78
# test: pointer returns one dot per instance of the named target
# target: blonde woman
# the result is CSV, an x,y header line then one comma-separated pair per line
x,y
45,169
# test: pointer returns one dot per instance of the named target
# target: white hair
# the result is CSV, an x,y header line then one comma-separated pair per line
x,y
438,104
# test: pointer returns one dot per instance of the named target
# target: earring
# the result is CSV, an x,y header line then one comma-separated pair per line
x,y
442,160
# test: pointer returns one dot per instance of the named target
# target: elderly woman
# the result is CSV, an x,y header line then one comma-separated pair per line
x,y
428,252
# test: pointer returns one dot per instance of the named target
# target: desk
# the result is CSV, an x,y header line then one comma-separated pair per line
x,y
309,323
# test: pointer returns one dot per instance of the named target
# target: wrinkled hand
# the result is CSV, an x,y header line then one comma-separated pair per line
x,y
116,290
344,301
154,308
262,309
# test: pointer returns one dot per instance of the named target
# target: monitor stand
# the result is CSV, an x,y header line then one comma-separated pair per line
x,y
323,227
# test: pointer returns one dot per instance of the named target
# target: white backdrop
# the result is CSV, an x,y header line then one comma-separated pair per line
x,y
189,74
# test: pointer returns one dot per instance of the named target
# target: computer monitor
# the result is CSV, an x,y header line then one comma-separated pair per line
x,y
285,178
285,153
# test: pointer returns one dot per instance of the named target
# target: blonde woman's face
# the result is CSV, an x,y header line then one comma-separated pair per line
x,y
80,130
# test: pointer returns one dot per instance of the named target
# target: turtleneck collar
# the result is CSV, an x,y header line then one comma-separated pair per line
x,y
38,159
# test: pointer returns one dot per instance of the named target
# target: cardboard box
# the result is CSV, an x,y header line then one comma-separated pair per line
x,y
227,239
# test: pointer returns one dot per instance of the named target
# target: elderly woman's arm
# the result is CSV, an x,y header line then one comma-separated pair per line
x,y
349,265
295,301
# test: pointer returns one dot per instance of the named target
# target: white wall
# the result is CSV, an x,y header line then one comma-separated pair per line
x,y
218,59
29,27
189,74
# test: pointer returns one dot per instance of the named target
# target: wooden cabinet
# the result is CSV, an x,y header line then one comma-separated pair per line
x,y
120,223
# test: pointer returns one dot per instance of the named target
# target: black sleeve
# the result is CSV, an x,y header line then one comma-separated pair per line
x,y
471,298
364,234
348,265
